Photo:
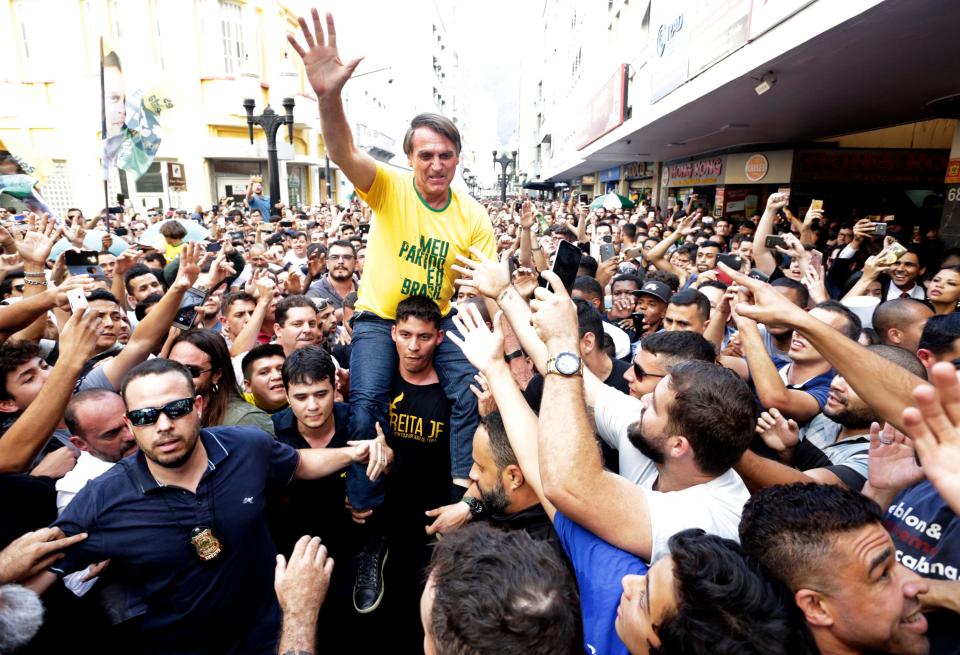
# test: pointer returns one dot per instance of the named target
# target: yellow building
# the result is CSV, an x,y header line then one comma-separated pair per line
x,y
208,55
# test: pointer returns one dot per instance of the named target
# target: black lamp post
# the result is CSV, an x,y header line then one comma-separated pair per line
x,y
505,163
271,121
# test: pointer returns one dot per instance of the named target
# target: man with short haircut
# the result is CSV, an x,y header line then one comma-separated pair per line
x,y
340,279
900,322
624,302
236,309
833,447
940,339
316,507
509,502
108,262
799,389
296,324
141,282
707,253
687,311
262,379
492,591
657,353
422,224
827,544
183,521
257,202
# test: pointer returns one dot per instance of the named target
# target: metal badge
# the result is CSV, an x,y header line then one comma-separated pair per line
x,y
207,545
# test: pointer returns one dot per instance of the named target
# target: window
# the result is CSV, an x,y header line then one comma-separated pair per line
x,y
152,180
31,17
231,31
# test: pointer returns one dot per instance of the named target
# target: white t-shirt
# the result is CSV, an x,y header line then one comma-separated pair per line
x,y
714,506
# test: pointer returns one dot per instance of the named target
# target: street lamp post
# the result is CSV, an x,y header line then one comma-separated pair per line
x,y
505,163
271,122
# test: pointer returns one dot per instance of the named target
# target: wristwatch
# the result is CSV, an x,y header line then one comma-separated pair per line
x,y
514,355
476,507
566,364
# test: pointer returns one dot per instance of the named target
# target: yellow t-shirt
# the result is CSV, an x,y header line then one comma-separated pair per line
x,y
412,247
171,252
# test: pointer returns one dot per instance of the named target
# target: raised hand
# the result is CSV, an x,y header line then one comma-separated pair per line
x,y
777,201
321,61
31,553
375,452
765,304
527,215
891,464
555,316
934,427
777,432
486,405
59,292
301,584
37,242
489,277
76,232
524,281
189,269
481,346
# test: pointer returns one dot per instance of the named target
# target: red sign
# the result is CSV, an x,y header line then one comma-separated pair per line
x,y
922,167
606,111
953,171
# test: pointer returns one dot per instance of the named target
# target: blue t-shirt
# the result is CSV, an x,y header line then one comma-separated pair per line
x,y
926,534
818,387
225,605
599,568
263,204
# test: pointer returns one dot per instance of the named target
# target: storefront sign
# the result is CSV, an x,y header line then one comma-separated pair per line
x,y
721,28
176,177
695,173
669,47
769,13
718,202
588,180
605,111
916,167
953,171
756,168
637,170
610,175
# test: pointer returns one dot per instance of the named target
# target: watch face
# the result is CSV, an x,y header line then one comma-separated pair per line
x,y
567,363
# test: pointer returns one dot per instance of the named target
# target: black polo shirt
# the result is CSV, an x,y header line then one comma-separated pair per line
x,y
226,605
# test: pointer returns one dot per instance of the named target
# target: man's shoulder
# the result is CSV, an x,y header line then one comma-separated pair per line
x,y
235,437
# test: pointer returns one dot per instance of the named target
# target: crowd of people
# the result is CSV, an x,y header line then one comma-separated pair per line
x,y
391,425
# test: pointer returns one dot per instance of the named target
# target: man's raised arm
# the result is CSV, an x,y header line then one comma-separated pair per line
x,y
327,75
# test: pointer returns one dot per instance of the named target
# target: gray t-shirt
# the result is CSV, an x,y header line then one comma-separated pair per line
x,y
240,412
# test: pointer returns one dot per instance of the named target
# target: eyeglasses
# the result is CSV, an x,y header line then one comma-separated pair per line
x,y
337,258
150,415
640,373
196,371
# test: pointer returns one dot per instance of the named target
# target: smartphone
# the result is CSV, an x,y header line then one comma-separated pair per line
x,y
146,247
77,300
757,274
651,215
364,228
237,234
517,206
585,247
816,205
638,323
186,315
633,253
772,241
214,246
115,210
733,261
607,238
606,251
120,231
82,262
880,229
565,265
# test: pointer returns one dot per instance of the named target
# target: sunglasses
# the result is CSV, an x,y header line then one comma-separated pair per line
x,y
196,371
640,373
150,415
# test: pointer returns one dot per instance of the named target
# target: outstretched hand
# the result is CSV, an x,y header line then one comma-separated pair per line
x,y
891,464
488,276
481,346
321,60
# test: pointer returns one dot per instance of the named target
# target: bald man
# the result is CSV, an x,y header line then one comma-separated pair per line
x,y
900,322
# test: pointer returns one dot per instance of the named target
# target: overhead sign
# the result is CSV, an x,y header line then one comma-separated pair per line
x,y
605,111
670,45
874,166
766,167
721,27
636,170
699,172
756,168
767,14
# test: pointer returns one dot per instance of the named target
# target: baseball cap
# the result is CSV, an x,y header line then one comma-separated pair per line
x,y
655,288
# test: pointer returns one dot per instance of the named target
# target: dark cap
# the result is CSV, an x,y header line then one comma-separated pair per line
x,y
655,288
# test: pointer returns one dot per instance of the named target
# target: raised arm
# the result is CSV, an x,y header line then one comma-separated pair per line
x,y
571,469
30,432
883,385
657,253
484,350
765,260
327,75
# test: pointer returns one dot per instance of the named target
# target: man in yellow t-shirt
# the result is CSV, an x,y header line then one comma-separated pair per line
x,y
420,225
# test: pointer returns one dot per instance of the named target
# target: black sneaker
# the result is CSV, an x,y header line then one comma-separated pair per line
x,y
368,588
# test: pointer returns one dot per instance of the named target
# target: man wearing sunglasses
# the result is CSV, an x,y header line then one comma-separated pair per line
x,y
183,523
